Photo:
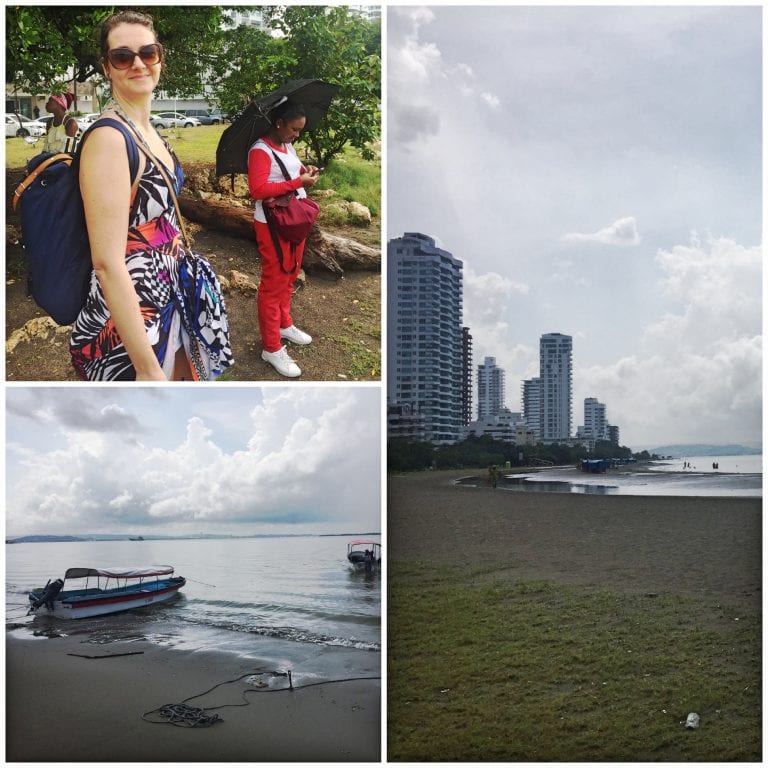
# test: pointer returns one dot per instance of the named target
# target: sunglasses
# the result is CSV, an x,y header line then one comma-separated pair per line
x,y
122,58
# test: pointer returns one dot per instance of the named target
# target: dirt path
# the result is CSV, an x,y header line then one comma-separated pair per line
x,y
343,317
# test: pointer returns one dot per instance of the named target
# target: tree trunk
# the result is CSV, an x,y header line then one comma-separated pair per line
x,y
323,251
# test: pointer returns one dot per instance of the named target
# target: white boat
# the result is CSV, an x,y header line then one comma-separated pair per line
x,y
117,589
364,554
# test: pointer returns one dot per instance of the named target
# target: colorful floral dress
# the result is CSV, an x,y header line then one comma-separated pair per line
x,y
179,295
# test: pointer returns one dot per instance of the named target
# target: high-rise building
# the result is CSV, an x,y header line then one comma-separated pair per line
x,y
532,405
425,339
555,372
490,388
466,376
595,422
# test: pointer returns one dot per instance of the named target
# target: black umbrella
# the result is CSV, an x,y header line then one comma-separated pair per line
x,y
254,121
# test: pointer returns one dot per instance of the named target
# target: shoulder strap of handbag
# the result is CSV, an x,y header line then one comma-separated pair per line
x,y
271,225
160,167
286,175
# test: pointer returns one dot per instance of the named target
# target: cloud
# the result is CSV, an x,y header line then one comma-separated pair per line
x,y
622,232
80,410
490,100
697,375
313,458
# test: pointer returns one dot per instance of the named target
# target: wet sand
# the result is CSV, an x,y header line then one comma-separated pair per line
x,y
701,547
66,708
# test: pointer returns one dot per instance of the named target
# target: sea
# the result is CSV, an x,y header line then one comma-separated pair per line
x,y
702,476
291,603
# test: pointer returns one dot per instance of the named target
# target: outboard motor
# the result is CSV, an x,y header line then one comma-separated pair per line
x,y
48,595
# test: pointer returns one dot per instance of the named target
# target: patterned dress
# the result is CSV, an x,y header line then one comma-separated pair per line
x,y
179,295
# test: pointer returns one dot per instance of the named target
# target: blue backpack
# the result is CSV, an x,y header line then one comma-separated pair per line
x,y
53,230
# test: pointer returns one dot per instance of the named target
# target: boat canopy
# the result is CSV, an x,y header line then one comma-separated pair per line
x,y
119,573
363,541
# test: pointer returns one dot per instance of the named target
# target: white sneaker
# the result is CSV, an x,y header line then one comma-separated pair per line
x,y
293,334
282,362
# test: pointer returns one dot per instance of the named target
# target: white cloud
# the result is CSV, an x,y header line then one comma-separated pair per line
x,y
621,232
313,459
490,100
698,373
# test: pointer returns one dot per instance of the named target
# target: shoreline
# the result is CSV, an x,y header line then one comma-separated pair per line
x,y
66,708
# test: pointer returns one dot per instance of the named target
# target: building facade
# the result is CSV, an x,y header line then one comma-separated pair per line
x,y
466,376
595,422
490,389
555,373
425,339
532,405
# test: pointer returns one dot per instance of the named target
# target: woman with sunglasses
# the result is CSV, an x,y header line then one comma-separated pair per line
x,y
154,310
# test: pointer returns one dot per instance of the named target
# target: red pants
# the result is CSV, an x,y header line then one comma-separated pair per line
x,y
276,286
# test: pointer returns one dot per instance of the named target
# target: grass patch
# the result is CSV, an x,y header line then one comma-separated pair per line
x,y
366,361
354,179
534,671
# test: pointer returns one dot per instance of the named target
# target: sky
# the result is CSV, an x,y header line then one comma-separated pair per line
x,y
180,461
598,171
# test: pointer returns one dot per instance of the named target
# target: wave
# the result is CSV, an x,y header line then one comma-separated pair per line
x,y
294,634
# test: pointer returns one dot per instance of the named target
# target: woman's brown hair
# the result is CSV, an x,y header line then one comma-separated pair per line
x,y
122,17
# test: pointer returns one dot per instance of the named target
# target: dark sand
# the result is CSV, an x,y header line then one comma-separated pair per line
x,y
695,547
63,708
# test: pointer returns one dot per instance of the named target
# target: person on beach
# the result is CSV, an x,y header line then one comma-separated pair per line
x,y
279,270
493,475
155,310
63,131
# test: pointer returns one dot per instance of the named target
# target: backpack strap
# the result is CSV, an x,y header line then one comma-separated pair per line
x,y
30,177
130,144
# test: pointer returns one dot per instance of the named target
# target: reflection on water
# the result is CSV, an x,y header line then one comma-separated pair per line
x,y
558,486
628,483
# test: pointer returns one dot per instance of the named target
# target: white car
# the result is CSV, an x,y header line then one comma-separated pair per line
x,y
26,127
85,120
173,120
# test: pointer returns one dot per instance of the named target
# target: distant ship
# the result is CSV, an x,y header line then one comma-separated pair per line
x,y
137,538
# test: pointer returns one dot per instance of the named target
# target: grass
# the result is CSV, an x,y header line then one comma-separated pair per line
x,y
534,671
351,177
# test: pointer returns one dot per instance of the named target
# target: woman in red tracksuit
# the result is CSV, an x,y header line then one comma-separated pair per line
x,y
278,271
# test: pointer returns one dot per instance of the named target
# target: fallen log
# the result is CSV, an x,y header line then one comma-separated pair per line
x,y
323,251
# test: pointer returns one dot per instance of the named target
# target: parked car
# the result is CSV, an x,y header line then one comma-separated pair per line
x,y
27,126
173,120
204,116
84,121
223,117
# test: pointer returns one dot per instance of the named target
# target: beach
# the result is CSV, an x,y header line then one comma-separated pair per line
x,y
530,626
68,708
697,546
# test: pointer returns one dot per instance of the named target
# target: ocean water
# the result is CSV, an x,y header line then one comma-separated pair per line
x,y
735,476
290,602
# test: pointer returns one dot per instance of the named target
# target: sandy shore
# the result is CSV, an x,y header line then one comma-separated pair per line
x,y
65,708
697,547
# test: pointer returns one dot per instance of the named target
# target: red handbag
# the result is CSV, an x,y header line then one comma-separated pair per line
x,y
294,220
291,216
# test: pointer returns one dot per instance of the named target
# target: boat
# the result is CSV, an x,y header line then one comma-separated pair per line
x,y
117,589
364,554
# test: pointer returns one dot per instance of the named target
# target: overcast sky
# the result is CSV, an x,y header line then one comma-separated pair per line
x,y
598,170
177,460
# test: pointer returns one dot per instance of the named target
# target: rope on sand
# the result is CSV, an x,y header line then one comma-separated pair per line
x,y
184,716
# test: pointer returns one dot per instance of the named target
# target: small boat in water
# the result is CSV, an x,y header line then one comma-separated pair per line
x,y
117,589
364,554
